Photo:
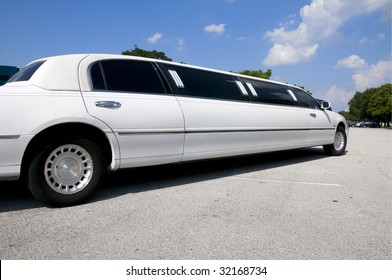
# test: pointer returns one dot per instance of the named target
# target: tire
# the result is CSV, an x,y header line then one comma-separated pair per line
x,y
338,147
66,173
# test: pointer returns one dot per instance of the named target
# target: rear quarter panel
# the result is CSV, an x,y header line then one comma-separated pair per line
x,y
27,110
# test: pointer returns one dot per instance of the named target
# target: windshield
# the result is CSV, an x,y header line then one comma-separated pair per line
x,y
26,73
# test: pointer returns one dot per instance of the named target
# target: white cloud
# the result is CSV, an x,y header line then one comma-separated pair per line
x,y
289,53
365,75
374,75
351,62
154,38
321,20
215,28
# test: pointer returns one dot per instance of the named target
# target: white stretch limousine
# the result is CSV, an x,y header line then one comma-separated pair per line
x,y
64,120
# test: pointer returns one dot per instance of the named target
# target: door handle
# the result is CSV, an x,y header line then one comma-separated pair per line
x,y
108,104
313,115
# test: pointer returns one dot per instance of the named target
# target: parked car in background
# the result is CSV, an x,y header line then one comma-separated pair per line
x,y
65,120
6,72
369,124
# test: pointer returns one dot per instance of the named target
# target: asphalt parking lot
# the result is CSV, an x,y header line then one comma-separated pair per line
x,y
287,205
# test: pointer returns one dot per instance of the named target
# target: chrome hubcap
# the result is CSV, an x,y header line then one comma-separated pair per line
x,y
339,141
68,169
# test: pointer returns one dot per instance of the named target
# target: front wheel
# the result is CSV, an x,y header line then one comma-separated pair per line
x,y
66,173
339,145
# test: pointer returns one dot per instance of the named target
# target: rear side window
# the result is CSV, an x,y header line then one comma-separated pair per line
x,y
270,93
26,73
206,84
305,99
127,76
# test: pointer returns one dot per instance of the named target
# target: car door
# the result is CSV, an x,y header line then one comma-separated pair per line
x,y
322,130
130,97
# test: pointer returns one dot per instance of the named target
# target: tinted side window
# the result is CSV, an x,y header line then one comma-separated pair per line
x,y
96,77
270,93
201,83
126,75
305,100
26,73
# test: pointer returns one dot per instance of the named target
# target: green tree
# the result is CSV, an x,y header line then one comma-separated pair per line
x,y
380,104
136,51
374,104
258,73
358,105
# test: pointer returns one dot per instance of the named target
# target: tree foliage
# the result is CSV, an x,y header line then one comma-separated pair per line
x,y
258,73
380,104
136,51
374,104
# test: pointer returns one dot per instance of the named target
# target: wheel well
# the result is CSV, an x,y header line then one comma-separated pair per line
x,y
64,131
341,125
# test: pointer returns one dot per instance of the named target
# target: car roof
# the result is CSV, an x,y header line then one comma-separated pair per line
x,y
62,72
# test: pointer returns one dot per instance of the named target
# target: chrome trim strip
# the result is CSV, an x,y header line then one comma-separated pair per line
x,y
177,79
242,88
292,95
252,89
194,131
149,133
256,130
9,137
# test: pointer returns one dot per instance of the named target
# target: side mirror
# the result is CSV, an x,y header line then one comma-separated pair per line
x,y
325,105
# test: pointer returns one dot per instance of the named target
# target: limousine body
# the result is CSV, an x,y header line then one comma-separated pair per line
x,y
65,120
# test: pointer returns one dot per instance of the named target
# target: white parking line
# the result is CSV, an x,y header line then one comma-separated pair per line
x,y
288,182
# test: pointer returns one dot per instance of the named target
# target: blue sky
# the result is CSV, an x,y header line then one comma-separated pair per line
x,y
332,47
